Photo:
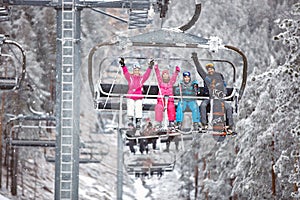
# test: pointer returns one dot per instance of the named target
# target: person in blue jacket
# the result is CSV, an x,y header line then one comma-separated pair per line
x,y
186,88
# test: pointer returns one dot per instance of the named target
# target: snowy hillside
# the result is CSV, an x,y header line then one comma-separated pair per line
x,y
262,162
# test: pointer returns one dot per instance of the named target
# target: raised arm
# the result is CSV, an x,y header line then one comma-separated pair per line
x,y
124,69
174,76
148,71
157,73
199,68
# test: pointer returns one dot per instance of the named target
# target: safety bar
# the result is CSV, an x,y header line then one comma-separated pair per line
x,y
162,96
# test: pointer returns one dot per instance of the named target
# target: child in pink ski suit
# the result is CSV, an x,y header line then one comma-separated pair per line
x,y
165,85
135,86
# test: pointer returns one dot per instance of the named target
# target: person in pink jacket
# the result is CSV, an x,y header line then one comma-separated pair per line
x,y
135,86
165,86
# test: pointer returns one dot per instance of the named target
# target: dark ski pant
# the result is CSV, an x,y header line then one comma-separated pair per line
x,y
203,110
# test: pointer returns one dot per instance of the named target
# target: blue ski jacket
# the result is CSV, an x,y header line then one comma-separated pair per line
x,y
187,89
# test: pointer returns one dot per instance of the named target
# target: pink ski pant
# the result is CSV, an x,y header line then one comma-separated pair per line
x,y
159,110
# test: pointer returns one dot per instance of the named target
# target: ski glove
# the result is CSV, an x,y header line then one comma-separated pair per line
x,y
177,69
151,63
196,88
122,62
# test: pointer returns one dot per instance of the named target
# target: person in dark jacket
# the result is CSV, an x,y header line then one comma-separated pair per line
x,y
214,82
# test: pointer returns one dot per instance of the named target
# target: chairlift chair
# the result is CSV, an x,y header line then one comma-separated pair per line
x,y
11,82
161,39
108,93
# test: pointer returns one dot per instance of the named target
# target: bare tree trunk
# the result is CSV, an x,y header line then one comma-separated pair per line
x,y
1,130
272,170
296,170
196,175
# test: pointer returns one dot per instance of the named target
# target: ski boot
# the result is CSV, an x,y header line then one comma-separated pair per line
x,y
138,123
204,127
196,127
138,126
177,144
142,146
130,122
229,131
158,126
154,144
168,147
171,126
178,126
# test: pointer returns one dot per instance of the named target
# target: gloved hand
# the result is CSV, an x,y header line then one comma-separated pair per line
x,y
177,69
122,62
177,90
151,63
194,54
196,88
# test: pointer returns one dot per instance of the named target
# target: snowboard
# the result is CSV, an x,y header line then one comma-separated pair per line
x,y
218,119
217,104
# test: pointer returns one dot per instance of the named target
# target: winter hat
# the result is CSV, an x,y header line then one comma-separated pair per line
x,y
165,72
136,65
209,65
186,74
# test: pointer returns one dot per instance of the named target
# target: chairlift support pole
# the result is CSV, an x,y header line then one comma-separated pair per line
x,y
68,100
245,69
120,155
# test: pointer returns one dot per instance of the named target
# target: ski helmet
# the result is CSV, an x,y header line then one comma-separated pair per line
x,y
186,74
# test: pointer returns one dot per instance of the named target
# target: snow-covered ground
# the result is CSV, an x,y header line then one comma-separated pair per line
x,y
3,198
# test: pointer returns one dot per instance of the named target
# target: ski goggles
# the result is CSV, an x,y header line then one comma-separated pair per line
x,y
136,66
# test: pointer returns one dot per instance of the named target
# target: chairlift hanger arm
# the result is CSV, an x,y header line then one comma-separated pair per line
x,y
23,60
90,63
194,18
245,68
21,78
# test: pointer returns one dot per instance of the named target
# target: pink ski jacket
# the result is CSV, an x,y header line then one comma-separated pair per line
x,y
135,82
166,88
